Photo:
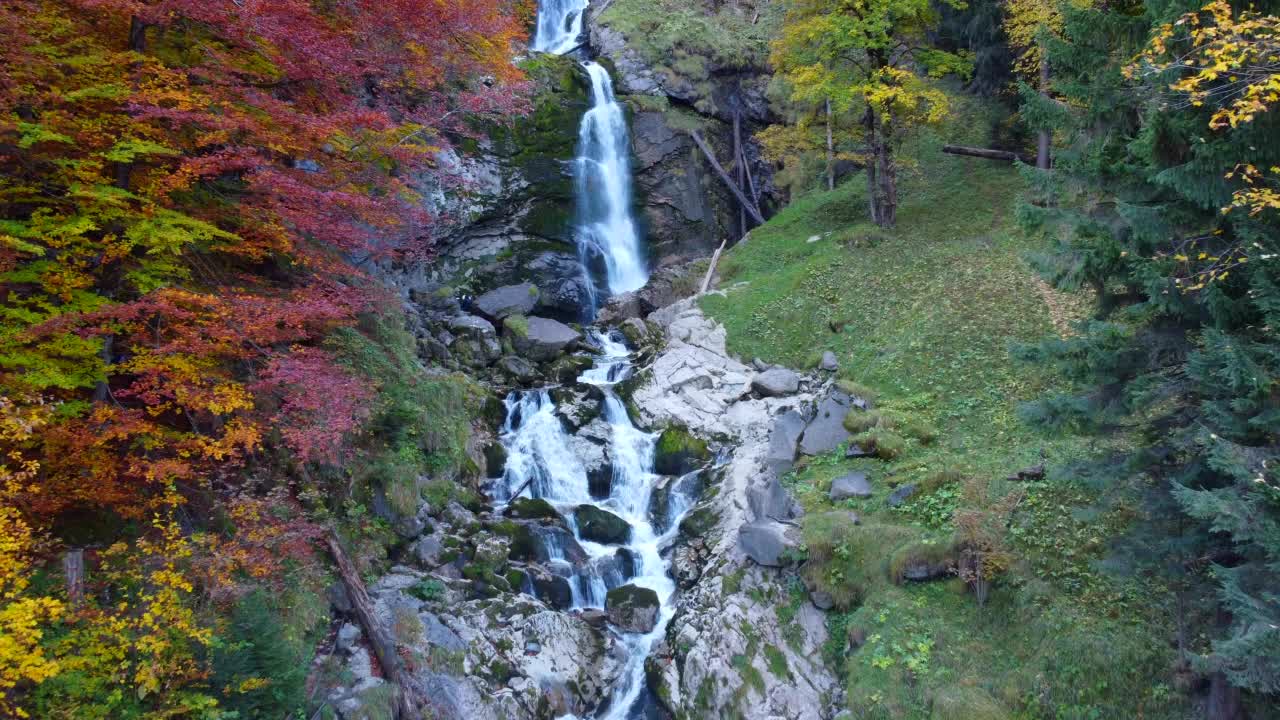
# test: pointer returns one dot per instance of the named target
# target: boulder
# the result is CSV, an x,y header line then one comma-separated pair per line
x,y
829,362
540,339
776,382
853,485
531,509
476,341
632,608
783,439
635,331
678,452
772,501
428,551
826,431
509,300
552,589
601,526
856,451
518,369
769,543
495,460
901,495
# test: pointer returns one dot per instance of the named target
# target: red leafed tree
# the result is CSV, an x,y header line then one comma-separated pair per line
x,y
188,187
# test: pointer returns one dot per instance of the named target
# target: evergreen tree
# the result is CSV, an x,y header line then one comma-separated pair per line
x,y
1150,205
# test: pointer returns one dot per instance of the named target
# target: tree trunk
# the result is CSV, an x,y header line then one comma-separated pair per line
x,y
384,646
737,161
984,153
831,150
1043,160
137,34
1224,700
882,176
73,571
749,206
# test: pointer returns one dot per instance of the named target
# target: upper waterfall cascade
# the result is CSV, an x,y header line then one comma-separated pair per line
x,y
605,228
559,25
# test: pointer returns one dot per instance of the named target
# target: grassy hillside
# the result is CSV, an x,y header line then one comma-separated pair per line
x,y
922,317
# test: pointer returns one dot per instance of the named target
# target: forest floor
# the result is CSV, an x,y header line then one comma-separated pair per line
x,y
923,316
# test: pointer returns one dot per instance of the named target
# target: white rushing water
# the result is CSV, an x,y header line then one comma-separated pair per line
x,y
540,464
606,229
559,25
605,225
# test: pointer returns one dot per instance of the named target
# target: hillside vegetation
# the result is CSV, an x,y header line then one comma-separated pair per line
x,y
921,318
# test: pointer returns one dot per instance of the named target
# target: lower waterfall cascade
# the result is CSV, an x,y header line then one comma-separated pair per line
x,y
541,465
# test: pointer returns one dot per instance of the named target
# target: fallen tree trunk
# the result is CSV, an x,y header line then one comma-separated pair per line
x,y
747,205
384,646
984,153
711,269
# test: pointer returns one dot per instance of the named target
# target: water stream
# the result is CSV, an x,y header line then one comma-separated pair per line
x,y
605,230
541,462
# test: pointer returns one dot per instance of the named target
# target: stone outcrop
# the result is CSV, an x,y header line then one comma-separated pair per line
x,y
632,608
695,384
853,485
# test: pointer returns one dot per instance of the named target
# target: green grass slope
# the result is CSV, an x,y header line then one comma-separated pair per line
x,y
922,316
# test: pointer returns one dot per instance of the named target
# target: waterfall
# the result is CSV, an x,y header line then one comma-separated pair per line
x,y
540,459
541,464
605,227
559,25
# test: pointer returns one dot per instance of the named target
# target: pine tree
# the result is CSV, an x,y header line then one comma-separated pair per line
x,y
1182,351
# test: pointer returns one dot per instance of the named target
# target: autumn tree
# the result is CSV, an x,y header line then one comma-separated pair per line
x,y
190,195
866,58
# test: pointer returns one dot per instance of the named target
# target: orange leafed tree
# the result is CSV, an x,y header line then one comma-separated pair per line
x,y
188,192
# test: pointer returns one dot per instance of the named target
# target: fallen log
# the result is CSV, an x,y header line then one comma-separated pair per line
x,y
986,153
384,646
711,269
747,205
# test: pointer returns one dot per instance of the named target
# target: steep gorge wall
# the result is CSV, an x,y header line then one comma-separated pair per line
x,y
511,221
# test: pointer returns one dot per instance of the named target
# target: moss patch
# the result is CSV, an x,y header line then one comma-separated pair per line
x,y
678,452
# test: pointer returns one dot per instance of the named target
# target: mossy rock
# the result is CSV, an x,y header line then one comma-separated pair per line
x,y
494,411
921,562
881,443
517,325
495,459
567,368
632,608
532,509
524,545
678,452
699,522
601,526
